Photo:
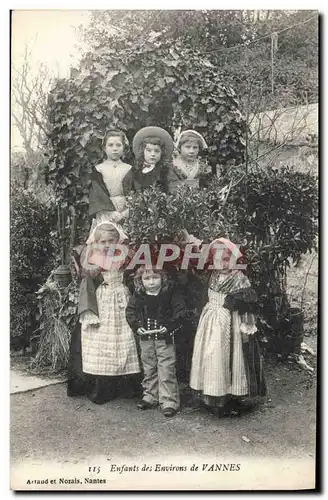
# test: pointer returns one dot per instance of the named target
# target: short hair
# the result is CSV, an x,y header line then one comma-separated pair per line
x,y
139,286
116,133
188,137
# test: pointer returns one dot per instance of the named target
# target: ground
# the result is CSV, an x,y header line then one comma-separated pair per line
x,y
47,425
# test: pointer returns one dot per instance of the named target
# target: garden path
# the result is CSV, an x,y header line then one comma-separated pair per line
x,y
22,381
50,429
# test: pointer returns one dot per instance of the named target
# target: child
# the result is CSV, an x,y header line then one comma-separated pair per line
x,y
109,350
187,169
153,148
155,313
111,180
226,364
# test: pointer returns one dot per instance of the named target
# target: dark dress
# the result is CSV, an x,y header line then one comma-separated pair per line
x,y
157,176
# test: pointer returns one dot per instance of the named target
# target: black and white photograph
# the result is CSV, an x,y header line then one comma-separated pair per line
x,y
164,240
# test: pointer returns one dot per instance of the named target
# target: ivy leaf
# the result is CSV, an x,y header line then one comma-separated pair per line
x,y
171,63
85,138
219,126
110,75
169,79
76,171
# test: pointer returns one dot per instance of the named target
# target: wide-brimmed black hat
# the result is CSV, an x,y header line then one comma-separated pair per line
x,y
159,132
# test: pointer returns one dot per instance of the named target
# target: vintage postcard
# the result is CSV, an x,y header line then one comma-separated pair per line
x,y
164,250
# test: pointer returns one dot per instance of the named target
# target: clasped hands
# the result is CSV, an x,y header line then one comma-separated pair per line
x,y
143,331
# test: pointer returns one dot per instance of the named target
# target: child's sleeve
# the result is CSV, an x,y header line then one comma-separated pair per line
x,y
244,299
128,184
89,318
87,297
131,314
128,280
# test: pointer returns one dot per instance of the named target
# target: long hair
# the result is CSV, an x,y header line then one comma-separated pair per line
x,y
166,158
139,286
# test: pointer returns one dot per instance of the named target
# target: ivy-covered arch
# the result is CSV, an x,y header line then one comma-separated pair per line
x,y
131,88
172,86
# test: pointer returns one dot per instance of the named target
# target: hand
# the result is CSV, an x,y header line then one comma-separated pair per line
x,y
163,329
90,319
141,331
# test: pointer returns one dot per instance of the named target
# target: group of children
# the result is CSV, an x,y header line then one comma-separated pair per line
x,y
127,332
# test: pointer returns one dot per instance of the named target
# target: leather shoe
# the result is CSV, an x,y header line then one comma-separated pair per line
x,y
144,405
169,412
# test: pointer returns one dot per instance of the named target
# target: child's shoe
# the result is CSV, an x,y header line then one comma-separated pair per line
x,y
144,405
218,411
169,412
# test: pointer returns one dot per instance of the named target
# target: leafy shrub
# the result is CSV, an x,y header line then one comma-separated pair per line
x,y
156,216
31,257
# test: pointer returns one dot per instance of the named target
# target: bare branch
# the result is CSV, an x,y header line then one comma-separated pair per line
x,y
29,98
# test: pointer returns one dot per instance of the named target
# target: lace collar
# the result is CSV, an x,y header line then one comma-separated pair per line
x,y
184,170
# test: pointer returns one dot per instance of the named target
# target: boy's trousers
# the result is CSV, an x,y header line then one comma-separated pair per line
x,y
160,383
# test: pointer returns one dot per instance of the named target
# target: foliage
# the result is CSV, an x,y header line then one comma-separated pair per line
x,y
293,82
32,251
263,212
237,42
203,28
161,84
27,172
156,216
57,316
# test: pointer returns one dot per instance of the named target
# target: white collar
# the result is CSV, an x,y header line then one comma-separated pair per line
x,y
109,163
113,163
148,168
